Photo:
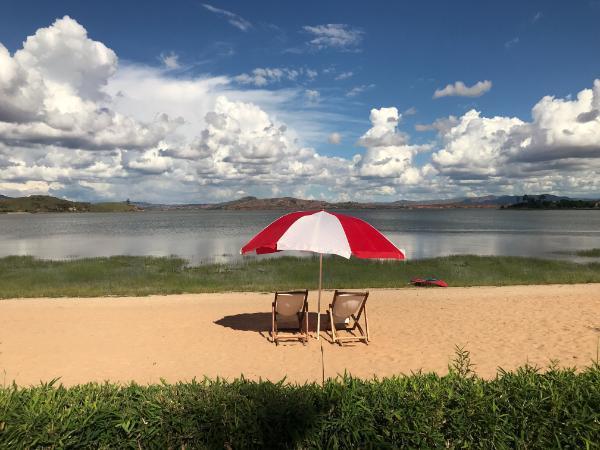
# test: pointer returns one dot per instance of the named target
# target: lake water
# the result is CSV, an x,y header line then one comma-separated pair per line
x,y
216,236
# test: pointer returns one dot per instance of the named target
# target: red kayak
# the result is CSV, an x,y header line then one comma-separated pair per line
x,y
428,282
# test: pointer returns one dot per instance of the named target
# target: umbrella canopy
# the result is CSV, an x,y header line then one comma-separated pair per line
x,y
323,232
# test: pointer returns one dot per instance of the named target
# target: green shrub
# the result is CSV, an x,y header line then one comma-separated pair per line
x,y
559,408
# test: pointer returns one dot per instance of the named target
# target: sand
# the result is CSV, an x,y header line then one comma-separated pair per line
x,y
179,337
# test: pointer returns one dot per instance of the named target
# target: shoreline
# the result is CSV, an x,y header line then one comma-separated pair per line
x,y
288,210
313,292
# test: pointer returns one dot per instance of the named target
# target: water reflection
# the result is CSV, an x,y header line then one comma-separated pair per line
x,y
216,236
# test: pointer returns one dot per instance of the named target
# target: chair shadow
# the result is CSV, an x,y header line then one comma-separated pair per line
x,y
312,321
260,322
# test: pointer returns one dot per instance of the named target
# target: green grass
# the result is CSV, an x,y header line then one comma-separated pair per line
x,y
41,203
111,207
527,408
23,276
47,203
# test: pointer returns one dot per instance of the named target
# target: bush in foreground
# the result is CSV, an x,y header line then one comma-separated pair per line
x,y
559,408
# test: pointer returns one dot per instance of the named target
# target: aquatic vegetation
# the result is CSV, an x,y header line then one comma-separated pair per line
x,y
24,276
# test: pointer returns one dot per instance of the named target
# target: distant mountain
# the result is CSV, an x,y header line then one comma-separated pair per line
x,y
486,201
291,203
285,203
47,203
3,196
44,203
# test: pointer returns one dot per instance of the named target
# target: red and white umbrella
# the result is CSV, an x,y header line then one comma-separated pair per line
x,y
323,232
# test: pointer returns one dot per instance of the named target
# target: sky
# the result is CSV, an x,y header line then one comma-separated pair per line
x,y
188,101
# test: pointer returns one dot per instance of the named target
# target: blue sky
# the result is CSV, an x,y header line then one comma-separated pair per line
x,y
331,63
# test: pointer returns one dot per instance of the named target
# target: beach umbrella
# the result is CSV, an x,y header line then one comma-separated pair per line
x,y
323,232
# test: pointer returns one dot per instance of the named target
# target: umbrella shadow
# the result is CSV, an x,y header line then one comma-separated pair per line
x,y
260,322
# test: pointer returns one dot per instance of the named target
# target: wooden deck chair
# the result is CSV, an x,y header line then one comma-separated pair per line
x,y
345,312
290,316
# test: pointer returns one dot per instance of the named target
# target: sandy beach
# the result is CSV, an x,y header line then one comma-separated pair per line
x,y
180,337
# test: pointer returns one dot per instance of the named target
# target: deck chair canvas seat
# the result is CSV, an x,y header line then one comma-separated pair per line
x,y
290,316
345,313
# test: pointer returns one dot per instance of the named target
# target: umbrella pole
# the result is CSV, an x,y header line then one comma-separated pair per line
x,y
319,298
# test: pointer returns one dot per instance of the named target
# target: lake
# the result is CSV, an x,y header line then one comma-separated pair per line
x,y
216,236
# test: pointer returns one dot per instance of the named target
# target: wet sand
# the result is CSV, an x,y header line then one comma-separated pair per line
x,y
179,337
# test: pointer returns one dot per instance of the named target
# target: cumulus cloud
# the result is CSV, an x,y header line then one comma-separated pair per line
x,y
51,121
21,91
243,135
559,147
234,19
334,35
57,62
148,162
388,153
561,129
335,138
52,92
65,56
472,145
242,147
460,89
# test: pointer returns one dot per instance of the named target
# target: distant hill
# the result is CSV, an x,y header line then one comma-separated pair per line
x,y
47,203
291,203
113,207
251,203
3,196
552,202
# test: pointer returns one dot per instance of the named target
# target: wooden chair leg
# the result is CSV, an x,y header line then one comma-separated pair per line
x,y
306,325
367,325
361,331
273,327
301,316
332,326
364,333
